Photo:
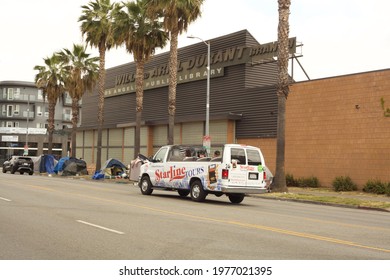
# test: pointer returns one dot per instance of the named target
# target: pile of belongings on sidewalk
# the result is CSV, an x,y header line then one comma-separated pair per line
x,y
70,166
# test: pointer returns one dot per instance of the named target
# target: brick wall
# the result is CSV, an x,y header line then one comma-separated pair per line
x,y
336,127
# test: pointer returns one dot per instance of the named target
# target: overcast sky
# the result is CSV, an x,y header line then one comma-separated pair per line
x,y
339,36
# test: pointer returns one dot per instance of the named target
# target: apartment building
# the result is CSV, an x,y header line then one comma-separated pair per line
x,y
23,121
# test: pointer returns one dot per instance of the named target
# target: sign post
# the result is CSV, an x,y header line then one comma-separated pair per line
x,y
207,143
25,152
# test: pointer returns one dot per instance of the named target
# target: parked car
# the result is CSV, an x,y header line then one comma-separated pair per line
x,y
19,164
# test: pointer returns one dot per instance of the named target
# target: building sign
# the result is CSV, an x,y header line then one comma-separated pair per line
x,y
22,130
9,138
270,50
195,68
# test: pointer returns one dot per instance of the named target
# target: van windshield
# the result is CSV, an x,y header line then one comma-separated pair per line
x,y
160,155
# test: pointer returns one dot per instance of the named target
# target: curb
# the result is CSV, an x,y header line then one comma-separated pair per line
x,y
322,203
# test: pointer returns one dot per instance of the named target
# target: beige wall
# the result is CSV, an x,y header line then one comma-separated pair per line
x,y
336,127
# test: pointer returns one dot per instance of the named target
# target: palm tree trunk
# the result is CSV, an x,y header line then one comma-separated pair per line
x,y
172,86
139,108
50,125
102,78
75,118
279,182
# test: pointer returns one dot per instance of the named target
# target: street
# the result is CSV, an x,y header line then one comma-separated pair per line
x,y
59,218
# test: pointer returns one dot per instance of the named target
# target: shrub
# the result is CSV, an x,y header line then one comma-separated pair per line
x,y
290,180
343,184
375,186
388,189
311,182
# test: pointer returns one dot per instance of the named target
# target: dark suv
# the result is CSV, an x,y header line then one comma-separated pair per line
x,y
19,164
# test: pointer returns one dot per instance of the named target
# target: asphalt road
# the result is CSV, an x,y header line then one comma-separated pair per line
x,y
56,218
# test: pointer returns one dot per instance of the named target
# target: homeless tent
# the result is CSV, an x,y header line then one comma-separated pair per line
x,y
74,166
112,168
44,164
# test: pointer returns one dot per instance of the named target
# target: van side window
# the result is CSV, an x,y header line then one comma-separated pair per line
x,y
176,155
254,157
239,155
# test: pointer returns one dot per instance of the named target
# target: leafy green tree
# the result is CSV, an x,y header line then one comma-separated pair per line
x,y
141,35
81,74
50,79
177,15
96,26
279,182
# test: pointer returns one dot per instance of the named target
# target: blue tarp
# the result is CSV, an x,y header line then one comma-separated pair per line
x,y
47,164
98,175
60,165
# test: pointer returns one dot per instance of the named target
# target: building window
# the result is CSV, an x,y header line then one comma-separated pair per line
x,y
67,114
16,110
9,110
68,99
40,94
39,111
10,94
17,93
9,124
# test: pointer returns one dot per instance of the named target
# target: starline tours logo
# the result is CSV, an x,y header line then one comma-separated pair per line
x,y
178,173
172,174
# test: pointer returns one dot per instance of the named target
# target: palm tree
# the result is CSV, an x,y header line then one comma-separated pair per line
x,y
50,79
141,36
81,74
279,183
96,26
178,14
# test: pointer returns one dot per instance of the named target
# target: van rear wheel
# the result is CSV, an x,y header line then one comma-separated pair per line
x,y
236,197
198,194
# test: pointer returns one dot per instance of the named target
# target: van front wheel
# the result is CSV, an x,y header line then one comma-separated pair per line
x,y
198,194
146,186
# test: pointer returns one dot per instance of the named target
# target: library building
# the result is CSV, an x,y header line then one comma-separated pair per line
x,y
336,126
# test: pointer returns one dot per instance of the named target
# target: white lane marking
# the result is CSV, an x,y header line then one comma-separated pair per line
x,y
97,226
5,199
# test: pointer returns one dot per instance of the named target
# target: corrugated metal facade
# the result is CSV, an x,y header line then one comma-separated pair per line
x,y
247,89
243,92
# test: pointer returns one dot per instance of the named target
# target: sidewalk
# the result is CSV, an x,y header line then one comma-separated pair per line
x,y
328,192
326,196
